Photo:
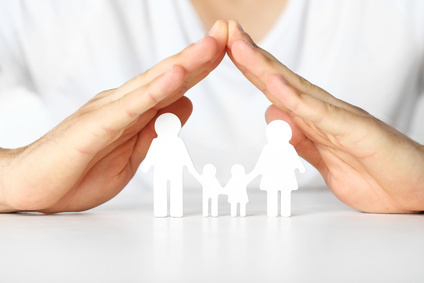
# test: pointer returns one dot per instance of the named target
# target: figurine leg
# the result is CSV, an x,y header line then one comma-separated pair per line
x,y
205,206
160,202
286,203
214,206
242,209
234,209
176,197
272,203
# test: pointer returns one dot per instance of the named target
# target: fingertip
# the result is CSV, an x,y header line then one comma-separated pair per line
x,y
183,108
275,113
235,27
218,27
236,32
179,72
187,106
272,113
281,92
219,32
175,76
208,47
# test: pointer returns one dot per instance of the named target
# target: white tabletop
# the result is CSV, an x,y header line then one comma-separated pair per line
x,y
324,241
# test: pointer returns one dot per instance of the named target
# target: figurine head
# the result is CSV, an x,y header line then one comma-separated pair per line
x,y
278,131
209,170
167,125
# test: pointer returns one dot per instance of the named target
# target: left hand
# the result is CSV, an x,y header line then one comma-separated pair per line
x,y
367,164
90,157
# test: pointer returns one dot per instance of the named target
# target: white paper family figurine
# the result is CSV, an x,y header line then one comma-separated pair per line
x,y
168,154
212,188
277,164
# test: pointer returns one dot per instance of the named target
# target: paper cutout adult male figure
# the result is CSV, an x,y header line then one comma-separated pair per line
x,y
236,189
169,155
276,164
212,188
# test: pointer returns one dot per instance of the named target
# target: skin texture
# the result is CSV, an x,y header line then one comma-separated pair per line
x,y
365,163
90,157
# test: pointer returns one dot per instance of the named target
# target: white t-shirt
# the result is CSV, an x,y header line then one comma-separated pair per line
x,y
56,55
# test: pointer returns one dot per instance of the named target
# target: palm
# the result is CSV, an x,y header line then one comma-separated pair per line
x,y
103,178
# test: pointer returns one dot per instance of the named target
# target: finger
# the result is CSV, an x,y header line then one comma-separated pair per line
x,y
325,124
258,65
198,58
325,116
99,128
159,87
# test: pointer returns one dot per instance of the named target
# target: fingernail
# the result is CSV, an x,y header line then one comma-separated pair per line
x,y
169,69
248,42
281,78
200,40
212,28
239,26
209,32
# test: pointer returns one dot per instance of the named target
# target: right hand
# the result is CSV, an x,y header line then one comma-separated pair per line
x,y
90,157
367,164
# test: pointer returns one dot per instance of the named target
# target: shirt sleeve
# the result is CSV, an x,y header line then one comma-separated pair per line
x,y
23,117
416,129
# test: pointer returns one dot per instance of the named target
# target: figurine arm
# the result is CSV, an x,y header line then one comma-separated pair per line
x,y
259,167
187,161
195,174
252,175
192,170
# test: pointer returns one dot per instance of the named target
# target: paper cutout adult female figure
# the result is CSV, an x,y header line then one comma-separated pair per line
x,y
169,155
276,164
236,189
212,188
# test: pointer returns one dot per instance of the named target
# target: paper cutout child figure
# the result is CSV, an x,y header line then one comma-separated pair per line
x,y
169,155
212,188
276,164
236,189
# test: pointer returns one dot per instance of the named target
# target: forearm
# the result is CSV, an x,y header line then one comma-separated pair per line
x,y
7,158
4,163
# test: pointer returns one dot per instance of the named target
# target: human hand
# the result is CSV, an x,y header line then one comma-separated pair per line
x,y
367,164
90,157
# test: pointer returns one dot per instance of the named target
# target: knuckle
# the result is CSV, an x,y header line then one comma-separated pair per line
x,y
305,83
331,109
105,92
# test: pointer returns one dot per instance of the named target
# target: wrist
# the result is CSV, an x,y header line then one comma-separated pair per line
x,y
6,156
